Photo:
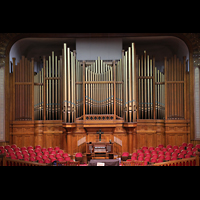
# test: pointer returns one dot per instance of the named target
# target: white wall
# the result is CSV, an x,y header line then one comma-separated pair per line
x,y
91,48
2,103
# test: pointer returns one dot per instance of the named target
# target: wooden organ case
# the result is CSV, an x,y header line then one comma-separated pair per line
x,y
129,99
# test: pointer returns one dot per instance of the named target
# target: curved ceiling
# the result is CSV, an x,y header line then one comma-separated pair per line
x,y
159,46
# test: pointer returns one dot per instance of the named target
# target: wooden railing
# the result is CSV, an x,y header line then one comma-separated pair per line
x,y
3,159
132,163
193,161
13,162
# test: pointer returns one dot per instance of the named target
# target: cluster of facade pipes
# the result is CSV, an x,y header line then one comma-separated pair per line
x,y
70,88
150,84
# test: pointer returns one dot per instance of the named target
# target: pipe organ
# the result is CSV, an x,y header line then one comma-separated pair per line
x,y
68,89
125,91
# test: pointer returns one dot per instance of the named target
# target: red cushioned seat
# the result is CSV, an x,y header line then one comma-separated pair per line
x,y
53,159
167,158
144,148
153,160
189,153
141,154
38,147
10,150
147,151
161,157
184,151
53,152
174,158
190,145
164,149
20,157
7,146
134,154
17,149
133,157
161,153
47,161
161,146
180,155
174,154
151,148
39,154
158,149
44,157
170,150
1,147
38,158
26,155
43,150
3,151
23,149
78,155
60,151
139,151
65,155
12,154
37,150
154,152
177,151
52,156
167,153
32,154
147,159
46,153
67,158
30,151
13,157
41,161
18,153
148,155
159,160
13,146
155,156
56,148
50,149
184,144
175,147
169,146
32,159
60,159
187,156
140,158
189,148
181,148
58,155
29,148
198,146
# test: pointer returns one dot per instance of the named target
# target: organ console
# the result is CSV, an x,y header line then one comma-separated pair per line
x,y
100,150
